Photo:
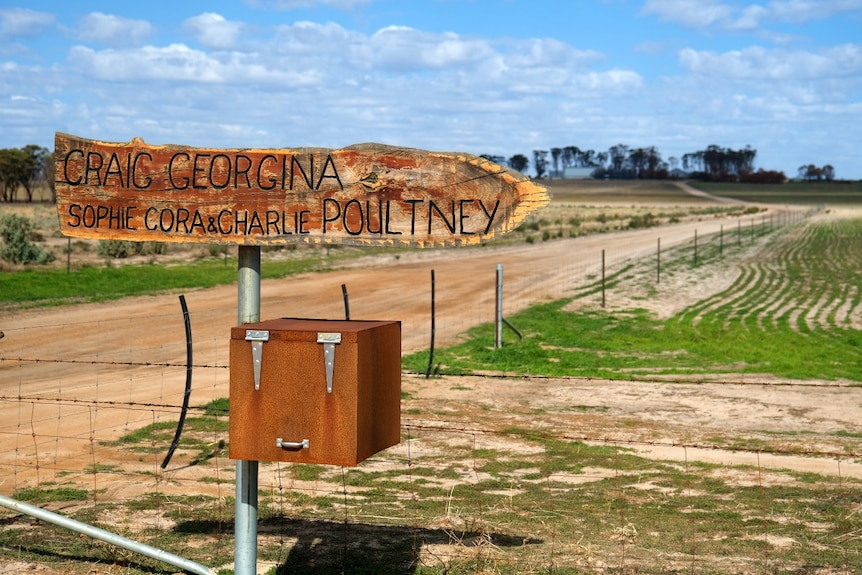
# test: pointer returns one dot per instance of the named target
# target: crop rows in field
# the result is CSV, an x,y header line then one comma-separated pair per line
x,y
804,280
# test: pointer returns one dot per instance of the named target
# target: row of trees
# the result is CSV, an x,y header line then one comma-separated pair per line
x,y
619,161
25,169
714,163
814,173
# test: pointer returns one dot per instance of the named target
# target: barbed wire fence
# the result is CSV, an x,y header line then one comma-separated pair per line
x,y
97,434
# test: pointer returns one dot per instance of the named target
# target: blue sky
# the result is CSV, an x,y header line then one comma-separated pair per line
x,y
499,77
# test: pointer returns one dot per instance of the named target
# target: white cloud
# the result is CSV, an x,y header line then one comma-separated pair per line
x,y
214,31
310,41
550,53
112,30
749,18
330,86
756,63
346,5
800,11
690,13
178,62
23,22
734,15
402,49
174,62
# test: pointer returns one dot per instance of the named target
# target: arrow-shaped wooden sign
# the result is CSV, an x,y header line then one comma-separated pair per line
x,y
367,194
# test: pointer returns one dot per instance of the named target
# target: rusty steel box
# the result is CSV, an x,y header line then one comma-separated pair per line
x,y
314,391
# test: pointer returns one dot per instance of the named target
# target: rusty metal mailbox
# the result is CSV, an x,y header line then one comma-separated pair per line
x,y
314,391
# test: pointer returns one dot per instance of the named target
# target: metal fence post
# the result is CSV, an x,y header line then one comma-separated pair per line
x,y
603,278
245,526
695,248
498,317
433,327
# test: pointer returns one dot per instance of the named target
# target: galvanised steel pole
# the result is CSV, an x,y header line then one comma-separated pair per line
x,y
498,316
106,536
245,525
603,278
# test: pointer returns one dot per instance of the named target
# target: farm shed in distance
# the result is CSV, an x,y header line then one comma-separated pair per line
x,y
572,173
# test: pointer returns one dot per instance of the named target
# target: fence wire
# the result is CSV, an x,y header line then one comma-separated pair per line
x,y
477,484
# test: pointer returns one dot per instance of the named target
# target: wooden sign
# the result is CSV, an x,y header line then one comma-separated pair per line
x,y
367,194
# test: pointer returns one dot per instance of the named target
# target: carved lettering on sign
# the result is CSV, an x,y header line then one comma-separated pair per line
x,y
368,194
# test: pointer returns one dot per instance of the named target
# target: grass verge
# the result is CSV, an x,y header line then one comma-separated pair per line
x,y
41,287
789,314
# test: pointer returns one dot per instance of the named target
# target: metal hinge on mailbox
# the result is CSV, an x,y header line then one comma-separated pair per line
x,y
329,340
256,337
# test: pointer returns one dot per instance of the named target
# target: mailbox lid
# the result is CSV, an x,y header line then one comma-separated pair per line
x,y
302,329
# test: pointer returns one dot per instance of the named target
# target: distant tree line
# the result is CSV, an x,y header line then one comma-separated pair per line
x,y
814,173
31,166
25,169
715,163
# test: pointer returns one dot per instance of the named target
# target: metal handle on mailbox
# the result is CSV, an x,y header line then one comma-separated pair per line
x,y
329,340
294,445
256,337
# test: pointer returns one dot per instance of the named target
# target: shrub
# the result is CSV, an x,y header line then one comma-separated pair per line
x,y
116,248
122,249
643,221
151,248
217,250
15,231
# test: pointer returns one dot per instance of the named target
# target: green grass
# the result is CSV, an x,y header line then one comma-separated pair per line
x,y
43,495
625,346
92,284
196,445
807,193
758,325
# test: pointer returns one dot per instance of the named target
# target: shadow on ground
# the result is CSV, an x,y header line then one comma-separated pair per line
x,y
328,547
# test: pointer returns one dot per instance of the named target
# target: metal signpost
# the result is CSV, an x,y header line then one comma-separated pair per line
x,y
367,194
245,507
